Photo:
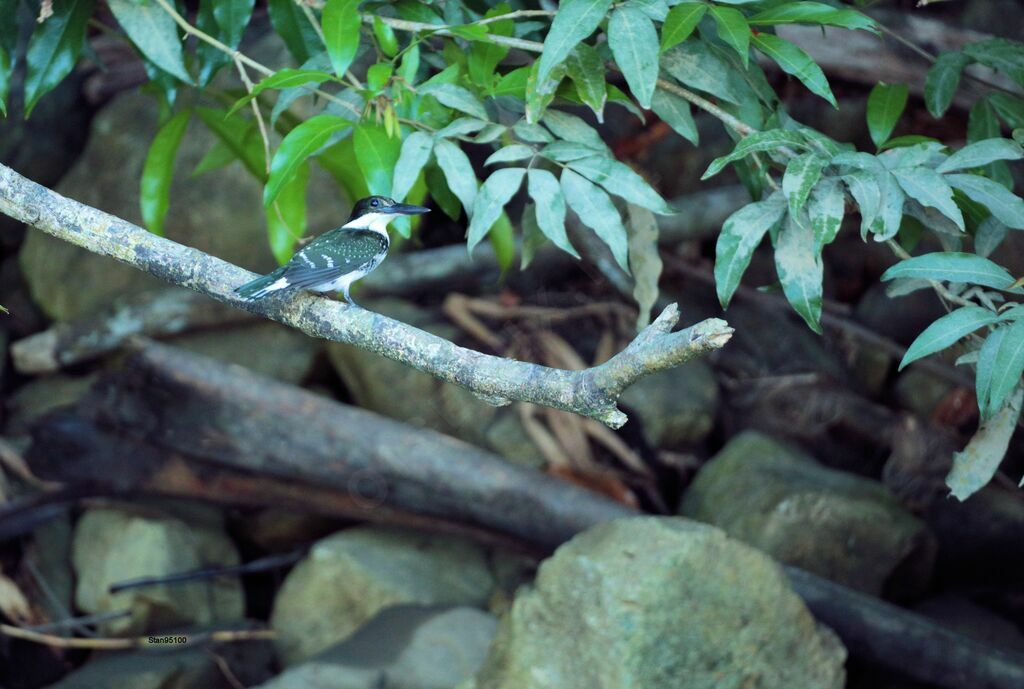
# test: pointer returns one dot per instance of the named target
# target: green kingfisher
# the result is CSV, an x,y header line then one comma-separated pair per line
x,y
338,257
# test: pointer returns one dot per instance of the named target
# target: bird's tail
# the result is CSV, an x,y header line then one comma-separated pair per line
x,y
261,287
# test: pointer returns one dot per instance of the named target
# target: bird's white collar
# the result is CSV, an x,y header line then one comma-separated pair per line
x,y
376,222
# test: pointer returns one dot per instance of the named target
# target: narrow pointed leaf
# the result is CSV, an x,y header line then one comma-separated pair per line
x,y
510,153
619,179
680,23
1007,367
586,69
495,192
377,153
292,25
694,64
975,466
982,153
1002,203
890,208
733,30
802,173
769,140
8,47
634,43
154,32
813,13
284,79
574,21
596,210
863,186
885,105
158,171
301,142
942,81
947,331
986,369
1000,54
458,172
826,207
286,216
242,139
799,265
546,192
741,234
54,48
675,112
414,156
952,267
457,98
793,60
929,188
644,262
572,128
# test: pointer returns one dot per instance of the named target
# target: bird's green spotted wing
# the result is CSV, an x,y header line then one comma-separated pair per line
x,y
335,253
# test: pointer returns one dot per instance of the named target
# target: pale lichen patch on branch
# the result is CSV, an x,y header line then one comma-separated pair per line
x,y
591,392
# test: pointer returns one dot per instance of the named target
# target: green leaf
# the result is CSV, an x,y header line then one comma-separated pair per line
x,y
586,69
986,369
692,63
634,43
513,84
284,79
456,98
952,267
226,21
799,265
1010,108
675,112
414,156
550,209
495,192
153,32
339,160
158,171
947,331
510,153
484,57
655,9
802,173
440,192
533,238
680,23
248,149
566,151
54,48
232,17
219,155
596,210
503,241
574,21
741,233
644,262
286,216
975,466
733,30
301,142
813,13
378,75
982,122
1007,367
540,93
1000,54
377,153
573,128
826,207
458,172
864,188
619,179
929,188
461,127
291,24
8,46
340,22
989,235
386,38
890,208
942,81
906,140
885,105
793,60
1006,207
769,140
982,153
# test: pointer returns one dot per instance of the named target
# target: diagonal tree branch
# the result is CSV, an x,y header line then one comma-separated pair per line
x,y
591,392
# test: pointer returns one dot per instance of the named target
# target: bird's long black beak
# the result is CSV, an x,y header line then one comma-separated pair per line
x,y
407,209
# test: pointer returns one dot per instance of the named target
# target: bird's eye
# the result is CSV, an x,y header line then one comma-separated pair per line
x,y
375,203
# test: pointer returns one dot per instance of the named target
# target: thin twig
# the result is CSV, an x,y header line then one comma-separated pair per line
x,y
141,642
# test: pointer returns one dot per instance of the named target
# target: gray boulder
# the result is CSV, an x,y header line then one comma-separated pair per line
x,y
403,647
660,603
114,545
269,349
349,577
843,527
677,406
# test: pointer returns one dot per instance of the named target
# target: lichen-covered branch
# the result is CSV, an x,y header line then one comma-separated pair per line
x,y
592,392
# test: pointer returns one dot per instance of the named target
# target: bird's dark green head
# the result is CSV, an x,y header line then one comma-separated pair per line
x,y
382,204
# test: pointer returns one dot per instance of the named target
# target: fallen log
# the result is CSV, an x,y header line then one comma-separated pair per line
x,y
211,418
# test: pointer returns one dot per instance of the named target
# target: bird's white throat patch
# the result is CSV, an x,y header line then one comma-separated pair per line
x,y
378,222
